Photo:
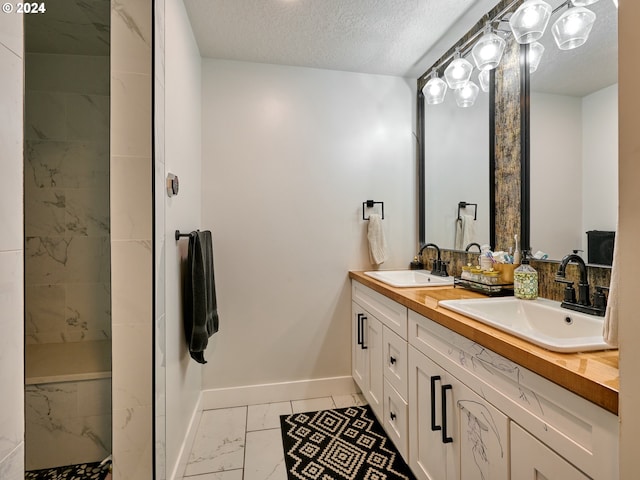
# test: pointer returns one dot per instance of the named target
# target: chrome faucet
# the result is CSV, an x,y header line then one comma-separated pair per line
x,y
583,302
439,267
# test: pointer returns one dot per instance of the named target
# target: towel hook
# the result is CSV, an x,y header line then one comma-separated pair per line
x,y
370,204
178,235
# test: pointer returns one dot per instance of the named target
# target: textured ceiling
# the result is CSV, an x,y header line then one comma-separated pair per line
x,y
389,37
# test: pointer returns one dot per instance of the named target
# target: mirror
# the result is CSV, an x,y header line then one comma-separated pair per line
x,y
574,141
456,172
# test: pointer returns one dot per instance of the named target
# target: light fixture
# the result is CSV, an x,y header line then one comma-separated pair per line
x,y
584,3
483,79
435,89
458,72
488,50
530,20
573,27
536,49
466,95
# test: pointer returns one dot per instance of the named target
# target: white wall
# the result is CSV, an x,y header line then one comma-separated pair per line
x,y
11,251
456,168
183,212
600,160
289,155
556,174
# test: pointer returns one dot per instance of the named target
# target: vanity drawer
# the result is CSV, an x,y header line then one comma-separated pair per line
x,y
395,361
390,313
396,419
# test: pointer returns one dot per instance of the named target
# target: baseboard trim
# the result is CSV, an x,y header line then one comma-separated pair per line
x,y
277,392
187,444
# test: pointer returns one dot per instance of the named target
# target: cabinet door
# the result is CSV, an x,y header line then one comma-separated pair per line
x,y
395,419
372,343
454,434
427,452
532,460
359,355
479,434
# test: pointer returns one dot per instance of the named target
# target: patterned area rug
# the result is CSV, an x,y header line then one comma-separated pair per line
x,y
84,471
347,443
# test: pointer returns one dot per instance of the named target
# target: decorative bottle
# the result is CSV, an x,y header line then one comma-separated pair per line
x,y
525,280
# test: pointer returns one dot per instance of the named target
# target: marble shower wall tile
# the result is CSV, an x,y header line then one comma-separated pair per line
x,y
63,164
84,74
130,212
11,352
74,414
12,466
57,260
131,237
11,134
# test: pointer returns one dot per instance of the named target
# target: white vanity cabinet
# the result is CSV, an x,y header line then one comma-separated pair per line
x,y
379,360
459,411
530,458
496,398
454,434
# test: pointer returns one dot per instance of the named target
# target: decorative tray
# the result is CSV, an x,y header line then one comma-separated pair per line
x,y
493,290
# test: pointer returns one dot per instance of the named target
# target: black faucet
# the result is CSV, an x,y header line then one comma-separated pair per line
x,y
583,303
439,267
472,244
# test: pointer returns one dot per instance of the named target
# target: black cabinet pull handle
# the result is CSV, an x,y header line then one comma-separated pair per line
x,y
392,360
360,328
392,415
362,319
445,437
434,379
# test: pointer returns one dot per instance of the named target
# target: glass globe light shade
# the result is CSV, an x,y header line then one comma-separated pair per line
x,y
467,94
530,20
458,73
573,27
434,90
483,78
583,3
488,50
536,49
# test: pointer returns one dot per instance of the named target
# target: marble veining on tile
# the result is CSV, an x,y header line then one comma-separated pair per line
x,y
312,405
265,456
220,441
266,416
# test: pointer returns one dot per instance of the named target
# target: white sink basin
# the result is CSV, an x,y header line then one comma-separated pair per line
x,y
541,321
410,278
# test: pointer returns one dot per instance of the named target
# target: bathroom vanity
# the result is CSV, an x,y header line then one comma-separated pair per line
x,y
462,400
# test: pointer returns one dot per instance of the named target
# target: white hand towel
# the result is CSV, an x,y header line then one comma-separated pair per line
x,y
377,242
465,231
610,327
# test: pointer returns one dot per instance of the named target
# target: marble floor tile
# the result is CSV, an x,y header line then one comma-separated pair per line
x,y
220,441
312,404
264,456
266,416
228,475
351,400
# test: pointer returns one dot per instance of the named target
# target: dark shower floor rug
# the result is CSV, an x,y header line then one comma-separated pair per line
x,y
84,471
341,444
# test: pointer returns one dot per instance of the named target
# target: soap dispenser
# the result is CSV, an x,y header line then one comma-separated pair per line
x,y
525,280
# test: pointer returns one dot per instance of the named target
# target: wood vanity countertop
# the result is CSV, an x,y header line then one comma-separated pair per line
x,y
592,375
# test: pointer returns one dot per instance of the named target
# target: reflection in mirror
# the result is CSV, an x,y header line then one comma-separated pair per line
x,y
456,149
574,141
